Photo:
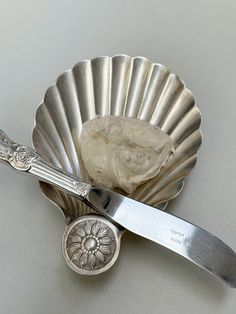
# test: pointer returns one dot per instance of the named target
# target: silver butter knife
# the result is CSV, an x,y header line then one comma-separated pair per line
x,y
176,234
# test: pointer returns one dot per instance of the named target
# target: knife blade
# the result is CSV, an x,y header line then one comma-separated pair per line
x,y
172,232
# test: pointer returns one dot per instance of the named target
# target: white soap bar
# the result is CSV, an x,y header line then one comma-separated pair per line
x,y
123,152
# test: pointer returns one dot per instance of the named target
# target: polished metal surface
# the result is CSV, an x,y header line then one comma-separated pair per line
x,y
30,162
91,244
120,86
83,240
103,235
176,234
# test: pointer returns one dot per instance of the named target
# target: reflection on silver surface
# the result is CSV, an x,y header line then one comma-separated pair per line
x,y
120,86
178,235
91,244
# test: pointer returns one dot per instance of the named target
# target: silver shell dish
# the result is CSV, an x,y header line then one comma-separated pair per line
x,y
119,86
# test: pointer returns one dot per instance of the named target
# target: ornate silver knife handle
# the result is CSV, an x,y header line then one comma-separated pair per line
x,y
18,156
91,244
25,159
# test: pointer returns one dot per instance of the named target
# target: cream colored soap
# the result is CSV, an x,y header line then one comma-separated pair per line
x,y
123,152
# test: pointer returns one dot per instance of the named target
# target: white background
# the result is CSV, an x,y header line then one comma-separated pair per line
x,y
41,39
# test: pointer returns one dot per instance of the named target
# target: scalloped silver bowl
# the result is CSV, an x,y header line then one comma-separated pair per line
x,y
120,86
